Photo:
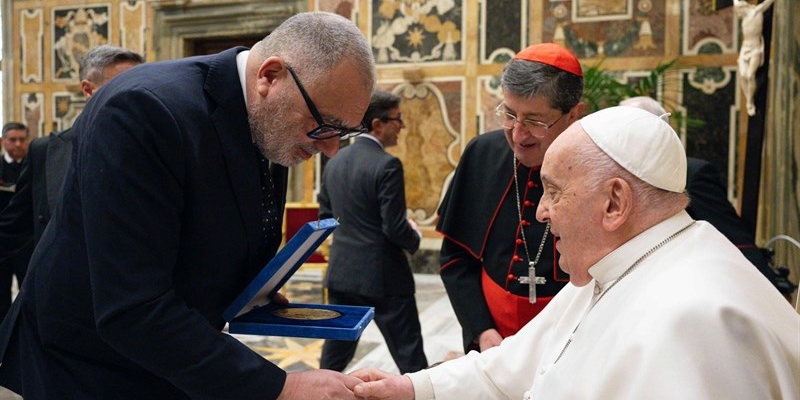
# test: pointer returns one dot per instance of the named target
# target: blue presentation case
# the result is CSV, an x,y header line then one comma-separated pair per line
x,y
252,312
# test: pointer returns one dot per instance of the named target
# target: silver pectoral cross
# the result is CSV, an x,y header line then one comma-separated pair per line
x,y
526,280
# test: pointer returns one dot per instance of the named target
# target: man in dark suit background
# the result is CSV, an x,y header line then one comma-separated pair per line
x,y
364,188
23,221
165,216
14,139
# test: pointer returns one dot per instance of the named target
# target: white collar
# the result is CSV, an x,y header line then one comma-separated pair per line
x,y
367,135
241,66
9,159
610,267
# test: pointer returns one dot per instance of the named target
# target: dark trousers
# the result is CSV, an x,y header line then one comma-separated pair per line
x,y
14,265
398,320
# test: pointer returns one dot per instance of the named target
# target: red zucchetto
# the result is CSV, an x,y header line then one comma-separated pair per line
x,y
551,54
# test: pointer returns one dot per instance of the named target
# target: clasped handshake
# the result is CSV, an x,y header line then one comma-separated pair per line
x,y
363,384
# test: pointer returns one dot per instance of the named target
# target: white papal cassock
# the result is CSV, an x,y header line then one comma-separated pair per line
x,y
693,320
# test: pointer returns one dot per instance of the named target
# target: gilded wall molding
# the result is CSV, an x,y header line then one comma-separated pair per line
x,y
435,127
133,26
31,37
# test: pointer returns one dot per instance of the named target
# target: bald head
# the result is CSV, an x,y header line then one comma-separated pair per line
x,y
645,103
314,43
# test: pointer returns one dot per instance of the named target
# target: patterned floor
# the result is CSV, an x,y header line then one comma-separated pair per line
x,y
441,333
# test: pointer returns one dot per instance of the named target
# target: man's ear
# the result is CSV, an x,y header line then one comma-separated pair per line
x,y
377,124
576,112
619,203
269,70
87,88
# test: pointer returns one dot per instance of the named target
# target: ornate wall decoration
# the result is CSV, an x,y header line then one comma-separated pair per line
x,y
75,31
716,141
709,80
432,113
417,31
66,108
435,39
132,25
31,32
490,94
607,28
701,27
33,112
345,8
601,10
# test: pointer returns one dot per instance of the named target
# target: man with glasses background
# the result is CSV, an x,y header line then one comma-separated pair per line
x,y
363,187
498,264
172,204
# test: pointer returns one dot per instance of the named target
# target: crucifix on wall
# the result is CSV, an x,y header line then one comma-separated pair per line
x,y
753,79
751,53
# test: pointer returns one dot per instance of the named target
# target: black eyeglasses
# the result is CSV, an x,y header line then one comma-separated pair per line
x,y
398,119
324,130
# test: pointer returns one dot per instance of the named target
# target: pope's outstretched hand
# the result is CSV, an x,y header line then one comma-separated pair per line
x,y
381,385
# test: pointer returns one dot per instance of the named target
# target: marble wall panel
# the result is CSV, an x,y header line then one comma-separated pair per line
x,y
66,107
31,36
420,31
132,26
490,95
447,53
599,28
503,30
75,31
702,25
716,140
432,112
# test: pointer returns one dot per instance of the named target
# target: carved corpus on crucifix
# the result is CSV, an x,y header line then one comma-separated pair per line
x,y
751,54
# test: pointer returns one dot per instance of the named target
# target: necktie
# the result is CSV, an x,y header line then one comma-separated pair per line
x,y
270,226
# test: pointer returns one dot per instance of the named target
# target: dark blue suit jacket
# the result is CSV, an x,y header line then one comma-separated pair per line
x,y
157,231
363,187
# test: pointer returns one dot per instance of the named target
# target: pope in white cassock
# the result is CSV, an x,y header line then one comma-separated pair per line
x,y
659,306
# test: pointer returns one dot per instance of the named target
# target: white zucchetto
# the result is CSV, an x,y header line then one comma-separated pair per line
x,y
640,142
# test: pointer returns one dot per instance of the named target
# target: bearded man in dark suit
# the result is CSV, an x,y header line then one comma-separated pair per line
x,y
167,214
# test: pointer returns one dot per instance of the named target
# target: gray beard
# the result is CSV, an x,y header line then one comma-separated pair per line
x,y
273,136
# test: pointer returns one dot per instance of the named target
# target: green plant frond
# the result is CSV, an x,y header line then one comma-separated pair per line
x,y
602,90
